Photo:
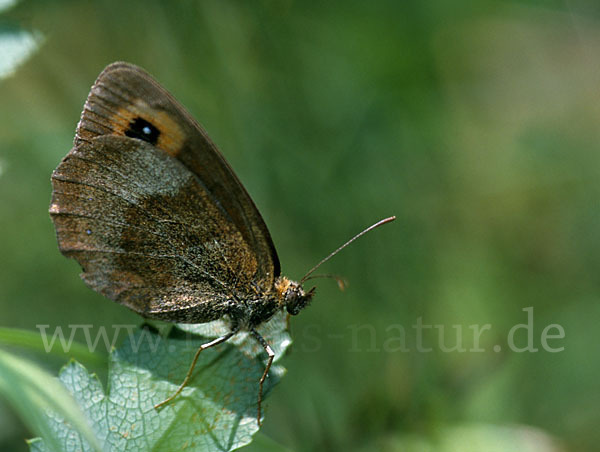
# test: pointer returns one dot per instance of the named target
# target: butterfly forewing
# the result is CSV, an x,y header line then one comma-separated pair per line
x,y
123,93
151,210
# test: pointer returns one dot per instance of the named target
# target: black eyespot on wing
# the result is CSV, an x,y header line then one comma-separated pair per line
x,y
142,129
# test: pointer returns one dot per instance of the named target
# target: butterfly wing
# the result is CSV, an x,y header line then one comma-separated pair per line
x,y
152,211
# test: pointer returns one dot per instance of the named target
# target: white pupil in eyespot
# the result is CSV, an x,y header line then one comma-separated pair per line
x,y
147,130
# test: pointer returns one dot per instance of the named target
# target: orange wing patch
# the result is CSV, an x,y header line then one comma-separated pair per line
x,y
171,136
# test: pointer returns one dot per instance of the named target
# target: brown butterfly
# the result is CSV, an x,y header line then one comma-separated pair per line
x,y
158,220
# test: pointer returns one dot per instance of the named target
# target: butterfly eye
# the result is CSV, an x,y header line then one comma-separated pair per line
x,y
143,130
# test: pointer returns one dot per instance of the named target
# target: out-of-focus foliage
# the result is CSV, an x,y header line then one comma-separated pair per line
x,y
475,122
16,44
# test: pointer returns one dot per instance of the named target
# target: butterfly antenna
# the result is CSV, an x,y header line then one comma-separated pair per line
x,y
370,228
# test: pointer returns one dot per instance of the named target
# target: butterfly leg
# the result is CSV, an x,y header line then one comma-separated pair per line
x,y
287,322
261,340
191,369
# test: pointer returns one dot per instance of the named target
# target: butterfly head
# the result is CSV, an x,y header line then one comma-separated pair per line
x,y
292,296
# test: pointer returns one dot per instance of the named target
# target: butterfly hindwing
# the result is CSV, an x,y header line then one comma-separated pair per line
x,y
137,240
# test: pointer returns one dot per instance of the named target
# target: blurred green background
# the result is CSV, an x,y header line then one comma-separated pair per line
x,y
476,123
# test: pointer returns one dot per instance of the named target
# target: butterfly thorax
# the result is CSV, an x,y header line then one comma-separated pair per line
x,y
286,294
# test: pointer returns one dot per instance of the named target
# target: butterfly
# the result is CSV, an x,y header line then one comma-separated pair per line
x,y
158,220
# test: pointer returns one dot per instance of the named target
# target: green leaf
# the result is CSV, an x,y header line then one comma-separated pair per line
x,y
33,393
32,340
216,411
